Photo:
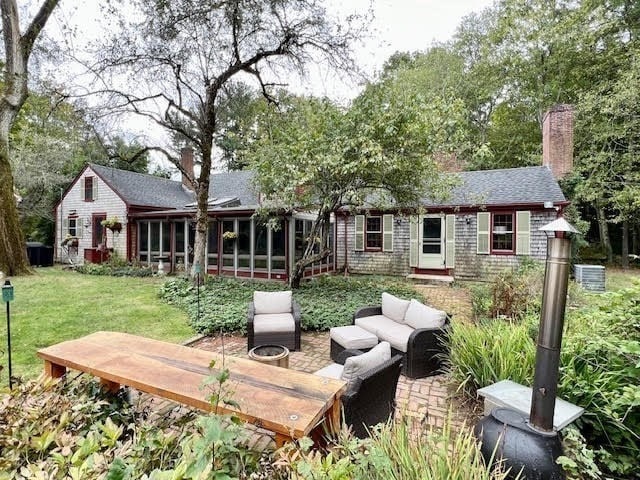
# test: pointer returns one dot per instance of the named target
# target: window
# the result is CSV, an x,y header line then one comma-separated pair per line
x,y
244,243
212,243
502,232
278,242
89,189
374,233
260,246
73,227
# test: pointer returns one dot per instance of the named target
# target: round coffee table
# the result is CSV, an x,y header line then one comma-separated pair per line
x,y
275,355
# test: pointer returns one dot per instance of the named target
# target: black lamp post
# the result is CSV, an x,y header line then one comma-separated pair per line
x,y
7,297
531,445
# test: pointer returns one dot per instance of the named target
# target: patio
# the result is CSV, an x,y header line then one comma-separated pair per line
x,y
426,401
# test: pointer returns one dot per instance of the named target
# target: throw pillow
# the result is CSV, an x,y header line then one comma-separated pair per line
x,y
359,364
422,316
394,307
272,302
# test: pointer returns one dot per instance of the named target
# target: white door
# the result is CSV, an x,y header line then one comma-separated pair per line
x,y
431,242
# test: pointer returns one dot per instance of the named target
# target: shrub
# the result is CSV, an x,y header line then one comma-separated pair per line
x,y
490,352
325,302
599,369
115,268
402,450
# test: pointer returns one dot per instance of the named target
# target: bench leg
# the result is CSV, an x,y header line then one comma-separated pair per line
x,y
109,386
281,439
54,370
334,415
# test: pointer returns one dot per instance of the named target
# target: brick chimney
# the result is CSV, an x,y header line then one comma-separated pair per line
x,y
557,140
186,161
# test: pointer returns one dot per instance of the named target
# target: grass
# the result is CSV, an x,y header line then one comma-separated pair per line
x,y
54,305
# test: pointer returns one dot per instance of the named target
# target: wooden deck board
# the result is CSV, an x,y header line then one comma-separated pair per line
x,y
287,402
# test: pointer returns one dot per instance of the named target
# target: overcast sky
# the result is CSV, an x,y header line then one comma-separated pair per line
x,y
399,25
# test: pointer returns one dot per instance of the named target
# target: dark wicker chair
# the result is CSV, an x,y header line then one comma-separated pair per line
x,y
426,348
371,398
291,339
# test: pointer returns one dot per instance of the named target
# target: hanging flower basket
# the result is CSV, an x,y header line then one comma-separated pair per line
x,y
112,224
70,241
229,235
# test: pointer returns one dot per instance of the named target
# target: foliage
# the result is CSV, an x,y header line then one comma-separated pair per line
x,y
398,450
599,369
491,351
115,269
578,460
69,429
54,305
325,302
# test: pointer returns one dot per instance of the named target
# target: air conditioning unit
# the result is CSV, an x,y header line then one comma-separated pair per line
x,y
591,277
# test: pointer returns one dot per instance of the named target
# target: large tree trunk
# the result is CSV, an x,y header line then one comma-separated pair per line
x,y
603,229
13,255
17,48
625,245
202,215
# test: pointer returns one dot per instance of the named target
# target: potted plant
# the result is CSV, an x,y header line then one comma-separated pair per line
x,y
229,235
113,224
70,241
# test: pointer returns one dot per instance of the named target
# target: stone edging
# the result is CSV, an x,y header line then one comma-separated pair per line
x,y
189,342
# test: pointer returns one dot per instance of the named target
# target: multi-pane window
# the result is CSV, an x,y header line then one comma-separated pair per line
x,y
374,233
278,243
88,189
73,226
502,232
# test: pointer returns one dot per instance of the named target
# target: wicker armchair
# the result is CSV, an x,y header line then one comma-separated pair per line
x,y
426,348
371,398
273,326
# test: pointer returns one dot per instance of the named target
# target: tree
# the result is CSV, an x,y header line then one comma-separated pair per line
x,y
13,93
175,60
316,157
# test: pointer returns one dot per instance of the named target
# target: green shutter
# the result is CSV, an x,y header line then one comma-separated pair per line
x,y
484,224
523,233
450,242
387,233
414,225
359,240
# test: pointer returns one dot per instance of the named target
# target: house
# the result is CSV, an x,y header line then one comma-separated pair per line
x,y
157,217
491,221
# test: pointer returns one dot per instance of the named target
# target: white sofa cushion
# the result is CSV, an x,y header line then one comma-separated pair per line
x,y
353,336
397,335
422,316
273,322
272,302
375,322
333,370
359,364
394,307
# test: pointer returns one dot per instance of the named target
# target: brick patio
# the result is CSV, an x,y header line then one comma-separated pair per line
x,y
427,401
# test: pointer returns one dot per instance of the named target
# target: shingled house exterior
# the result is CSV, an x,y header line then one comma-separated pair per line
x,y
157,223
490,222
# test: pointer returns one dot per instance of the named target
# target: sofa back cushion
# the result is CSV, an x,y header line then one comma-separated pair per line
x,y
422,316
272,302
359,364
394,307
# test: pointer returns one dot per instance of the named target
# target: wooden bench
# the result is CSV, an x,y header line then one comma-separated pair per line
x,y
289,403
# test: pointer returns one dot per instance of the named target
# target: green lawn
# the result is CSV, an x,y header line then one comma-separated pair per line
x,y
55,305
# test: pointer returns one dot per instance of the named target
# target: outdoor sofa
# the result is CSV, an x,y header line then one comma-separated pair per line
x,y
414,330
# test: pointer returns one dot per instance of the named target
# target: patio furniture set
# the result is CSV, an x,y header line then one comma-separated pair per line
x,y
397,336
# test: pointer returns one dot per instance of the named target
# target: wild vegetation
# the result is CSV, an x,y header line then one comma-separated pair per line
x,y
325,302
600,369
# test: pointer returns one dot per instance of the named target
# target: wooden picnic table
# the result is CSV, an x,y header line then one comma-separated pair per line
x,y
289,403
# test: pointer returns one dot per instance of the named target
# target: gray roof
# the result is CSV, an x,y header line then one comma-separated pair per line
x,y
484,187
237,183
149,190
506,186
144,189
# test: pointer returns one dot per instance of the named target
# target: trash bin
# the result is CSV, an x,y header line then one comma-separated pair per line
x,y
39,254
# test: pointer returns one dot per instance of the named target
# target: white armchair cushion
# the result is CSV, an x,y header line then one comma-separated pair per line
x,y
272,302
422,316
359,364
333,370
397,336
394,307
273,323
